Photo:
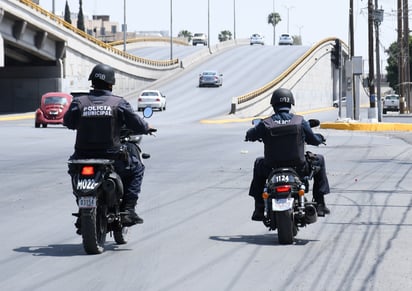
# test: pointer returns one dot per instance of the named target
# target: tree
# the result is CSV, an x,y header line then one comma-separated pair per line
x,y
225,35
80,17
67,13
393,61
274,19
185,33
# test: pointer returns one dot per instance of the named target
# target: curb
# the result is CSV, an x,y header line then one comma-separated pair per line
x,y
16,117
367,126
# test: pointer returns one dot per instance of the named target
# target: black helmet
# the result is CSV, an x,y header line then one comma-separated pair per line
x,y
282,97
102,73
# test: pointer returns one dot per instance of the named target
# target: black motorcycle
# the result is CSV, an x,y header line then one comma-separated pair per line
x,y
286,206
99,192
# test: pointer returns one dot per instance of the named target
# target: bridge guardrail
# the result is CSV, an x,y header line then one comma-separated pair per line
x,y
60,21
260,91
150,39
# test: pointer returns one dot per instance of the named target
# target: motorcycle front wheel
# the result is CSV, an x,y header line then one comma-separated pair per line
x,y
94,229
285,227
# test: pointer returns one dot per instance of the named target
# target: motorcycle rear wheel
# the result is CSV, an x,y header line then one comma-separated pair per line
x,y
285,227
94,229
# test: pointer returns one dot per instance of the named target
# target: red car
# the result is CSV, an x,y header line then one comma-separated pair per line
x,y
53,106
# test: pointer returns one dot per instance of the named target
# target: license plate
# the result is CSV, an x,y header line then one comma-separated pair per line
x,y
282,204
87,202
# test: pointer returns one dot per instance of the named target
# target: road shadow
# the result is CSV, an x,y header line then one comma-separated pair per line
x,y
63,250
263,239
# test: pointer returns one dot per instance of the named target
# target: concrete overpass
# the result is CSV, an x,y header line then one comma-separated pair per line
x,y
42,53
39,52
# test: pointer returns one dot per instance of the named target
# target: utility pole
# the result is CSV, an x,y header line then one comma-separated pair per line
x,y
371,78
351,32
406,55
400,59
378,18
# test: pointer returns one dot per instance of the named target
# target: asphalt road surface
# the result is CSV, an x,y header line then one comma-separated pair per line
x,y
197,233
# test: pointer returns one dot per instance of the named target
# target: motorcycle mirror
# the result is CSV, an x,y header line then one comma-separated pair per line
x,y
148,112
256,121
314,122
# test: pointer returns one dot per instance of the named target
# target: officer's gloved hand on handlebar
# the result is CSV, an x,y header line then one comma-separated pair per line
x,y
321,137
152,130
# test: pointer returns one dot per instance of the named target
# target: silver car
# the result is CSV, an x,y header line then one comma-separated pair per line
x,y
210,78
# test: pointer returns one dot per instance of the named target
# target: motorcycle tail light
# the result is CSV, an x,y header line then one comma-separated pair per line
x,y
283,188
88,171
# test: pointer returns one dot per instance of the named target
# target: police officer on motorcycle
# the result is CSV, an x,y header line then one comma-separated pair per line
x,y
292,152
98,118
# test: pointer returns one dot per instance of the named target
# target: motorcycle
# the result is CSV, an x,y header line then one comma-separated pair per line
x,y
99,192
286,206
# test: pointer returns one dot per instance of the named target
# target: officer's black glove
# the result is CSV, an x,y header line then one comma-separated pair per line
x,y
321,137
152,130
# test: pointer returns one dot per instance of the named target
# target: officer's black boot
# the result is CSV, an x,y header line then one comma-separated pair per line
x,y
131,217
258,213
321,206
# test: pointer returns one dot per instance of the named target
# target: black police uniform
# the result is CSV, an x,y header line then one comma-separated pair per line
x,y
98,119
281,150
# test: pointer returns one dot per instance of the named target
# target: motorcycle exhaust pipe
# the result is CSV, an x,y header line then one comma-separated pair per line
x,y
311,214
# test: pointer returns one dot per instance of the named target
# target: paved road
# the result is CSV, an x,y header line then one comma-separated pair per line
x,y
197,233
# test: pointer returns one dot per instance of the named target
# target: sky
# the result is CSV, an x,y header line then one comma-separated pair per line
x,y
314,20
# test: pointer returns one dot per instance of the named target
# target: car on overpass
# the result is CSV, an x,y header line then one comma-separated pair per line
x,y
53,106
285,39
199,38
257,38
151,98
210,78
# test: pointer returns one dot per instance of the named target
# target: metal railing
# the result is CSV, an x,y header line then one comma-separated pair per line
x,y
249,96
59,21
150,39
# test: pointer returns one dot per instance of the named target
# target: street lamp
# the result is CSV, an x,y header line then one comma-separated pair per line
x,y
171,29
288,8
124,26
234,19
208,24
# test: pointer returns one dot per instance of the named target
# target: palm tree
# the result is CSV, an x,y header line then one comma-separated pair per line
x,y
186,34
274,19
225,35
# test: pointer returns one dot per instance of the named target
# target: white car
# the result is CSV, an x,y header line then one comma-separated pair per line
x,y
257,38
285,39
151,98
199,38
